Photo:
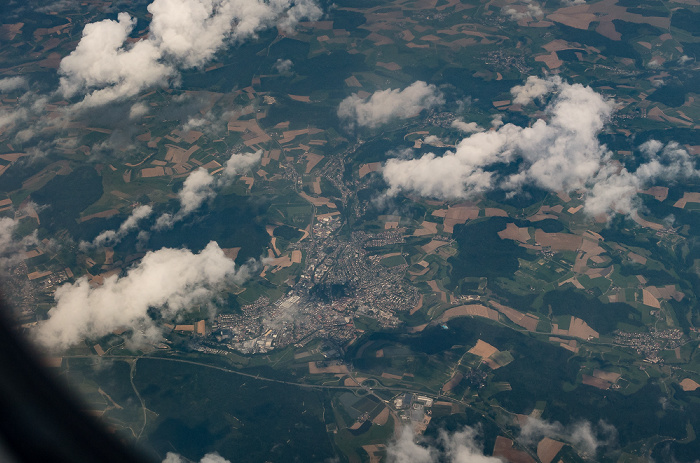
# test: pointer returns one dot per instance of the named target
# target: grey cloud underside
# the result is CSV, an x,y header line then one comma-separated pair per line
x,y
561,153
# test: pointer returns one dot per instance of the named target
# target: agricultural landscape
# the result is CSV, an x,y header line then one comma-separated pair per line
x,y
342,280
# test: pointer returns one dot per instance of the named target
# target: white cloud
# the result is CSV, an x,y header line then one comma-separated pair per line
x,y
182,34
12,249
581,435
457,447
614,188
529,11
200,186
283,65
467,127
171,457
105,69
138,110
560,153
169,280
385,105
112,237
534,88
684,59
9,84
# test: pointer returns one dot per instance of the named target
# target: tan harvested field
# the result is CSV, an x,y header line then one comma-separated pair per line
x,y
577,328
51,362
335,369
473,310
200,327
391,225
302,98
495,212
547,449
454,381
688,197
607,29
648,299
689,385
527,321
109,256
390,66
273,243
558,45
12,157
646,223
607,375
457,215
352,82
374,451
371,167
513,232
573,210
177,155
320,201
427,228
296,256
390,376
211,165
434,286
184,328
483,349
37,275
575,19
558,241
100,215
313,160
666,292
595,382
634,257
99,350
568,344
149,172
417,329
418,306
432,246
503,448
33,253
382,418
231,253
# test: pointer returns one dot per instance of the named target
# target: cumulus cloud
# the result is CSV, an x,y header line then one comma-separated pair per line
x,y
283,65
9,84
560,153
467,127
138,110
171,457
169,280
459,447
182,34
112,237
200,187
614,188
12,249
582,435
529,11
385,105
